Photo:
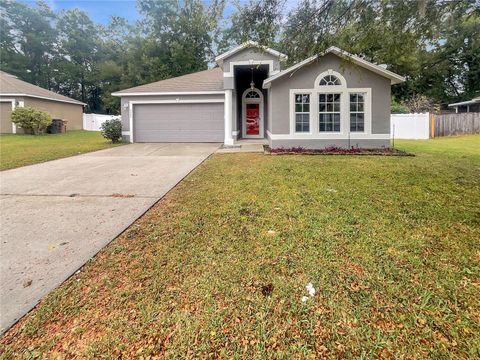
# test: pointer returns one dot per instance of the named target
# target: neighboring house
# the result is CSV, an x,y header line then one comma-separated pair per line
x,y
17,93
467,106
333,99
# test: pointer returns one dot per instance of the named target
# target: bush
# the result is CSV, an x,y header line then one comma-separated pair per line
x,y
398,108
112,130
32,121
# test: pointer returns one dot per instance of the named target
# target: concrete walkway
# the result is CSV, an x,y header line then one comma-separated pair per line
x,y
55,216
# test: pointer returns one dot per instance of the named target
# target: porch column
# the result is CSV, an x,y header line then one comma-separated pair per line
x,y
228,117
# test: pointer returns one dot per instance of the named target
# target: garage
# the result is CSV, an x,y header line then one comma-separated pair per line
x,y
187,122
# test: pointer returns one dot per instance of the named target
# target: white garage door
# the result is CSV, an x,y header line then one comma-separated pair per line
x,y
178,122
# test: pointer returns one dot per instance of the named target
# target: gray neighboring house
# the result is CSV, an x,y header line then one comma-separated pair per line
x,y
332,99
467,106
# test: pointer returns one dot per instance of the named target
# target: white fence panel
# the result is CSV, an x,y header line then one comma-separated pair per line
x,y
410,126
92,122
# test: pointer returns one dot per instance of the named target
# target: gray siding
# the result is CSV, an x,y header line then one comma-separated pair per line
x,y
178,122
251,53
356,77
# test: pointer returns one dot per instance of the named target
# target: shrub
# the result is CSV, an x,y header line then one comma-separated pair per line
x,y
32,121
112,130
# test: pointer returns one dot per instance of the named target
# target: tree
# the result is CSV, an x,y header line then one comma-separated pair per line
x,y
257,20
28,41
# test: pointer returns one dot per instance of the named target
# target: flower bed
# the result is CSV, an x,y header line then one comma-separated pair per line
x,y
334,150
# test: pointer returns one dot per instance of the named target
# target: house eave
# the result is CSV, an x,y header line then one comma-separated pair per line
x,y
219,59
394,78
161,93
44,97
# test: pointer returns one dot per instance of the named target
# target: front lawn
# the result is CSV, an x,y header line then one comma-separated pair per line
x,y
19,150
218,268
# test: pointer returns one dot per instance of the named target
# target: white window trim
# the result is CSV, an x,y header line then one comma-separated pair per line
x,y
344,113
174,101
293,93
317,85
367,111
244,115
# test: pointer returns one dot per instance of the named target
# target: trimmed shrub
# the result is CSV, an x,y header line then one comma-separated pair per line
x,y
32,121
112,130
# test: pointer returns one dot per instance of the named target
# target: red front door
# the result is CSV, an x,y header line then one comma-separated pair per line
x,y
253,119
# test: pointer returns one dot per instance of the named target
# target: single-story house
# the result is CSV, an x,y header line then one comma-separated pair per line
x,y
467,106
17,93
332,99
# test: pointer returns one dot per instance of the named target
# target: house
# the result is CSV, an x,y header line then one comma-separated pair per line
x,y
333,99
467,106
17,93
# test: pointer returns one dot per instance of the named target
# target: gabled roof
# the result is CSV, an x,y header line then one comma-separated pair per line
x,y
219,59
10,85
207,81
469,102
394,78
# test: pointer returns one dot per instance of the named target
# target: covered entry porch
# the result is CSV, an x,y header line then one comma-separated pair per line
x,y
249,105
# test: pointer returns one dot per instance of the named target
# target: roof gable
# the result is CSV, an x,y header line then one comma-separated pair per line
x,y
394,78
10,85
249,44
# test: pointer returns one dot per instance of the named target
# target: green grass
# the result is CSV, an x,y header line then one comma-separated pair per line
x,y
19,150
217,269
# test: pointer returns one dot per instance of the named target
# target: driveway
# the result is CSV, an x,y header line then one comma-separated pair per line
x,y
57,215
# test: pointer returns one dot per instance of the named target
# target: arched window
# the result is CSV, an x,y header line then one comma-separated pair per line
x,y
252,94
330,80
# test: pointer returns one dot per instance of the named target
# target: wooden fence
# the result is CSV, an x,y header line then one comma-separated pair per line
x,y
456,124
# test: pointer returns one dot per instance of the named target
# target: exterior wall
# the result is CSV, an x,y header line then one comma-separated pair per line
x,y
251,54
72,113
245,56
322,143
304,78
125,113
5,122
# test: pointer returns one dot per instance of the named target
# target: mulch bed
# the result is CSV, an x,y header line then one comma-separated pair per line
x,y
336,151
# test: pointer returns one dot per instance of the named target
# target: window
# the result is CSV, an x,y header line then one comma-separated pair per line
x,y
330,80
302,112
329,112
252,95
357,112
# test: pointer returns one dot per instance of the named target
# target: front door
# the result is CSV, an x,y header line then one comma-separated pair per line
x,y
252,125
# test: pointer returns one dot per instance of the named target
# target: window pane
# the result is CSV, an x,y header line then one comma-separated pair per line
x,y
330,97
322,107
298,107
353,97
321,98
360,107
306,98
329,107
360,97
298,98
336,107
336,97
353,107
306,108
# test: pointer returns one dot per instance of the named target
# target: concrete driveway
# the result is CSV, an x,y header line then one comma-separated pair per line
x,y
57,215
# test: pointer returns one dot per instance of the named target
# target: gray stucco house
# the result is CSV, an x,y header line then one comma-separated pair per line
x,y
335,98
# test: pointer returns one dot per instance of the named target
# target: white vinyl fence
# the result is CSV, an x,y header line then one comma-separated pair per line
x,y
410,126
92,122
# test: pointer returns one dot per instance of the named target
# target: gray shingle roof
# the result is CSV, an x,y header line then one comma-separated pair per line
x,y
10,85
207,80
